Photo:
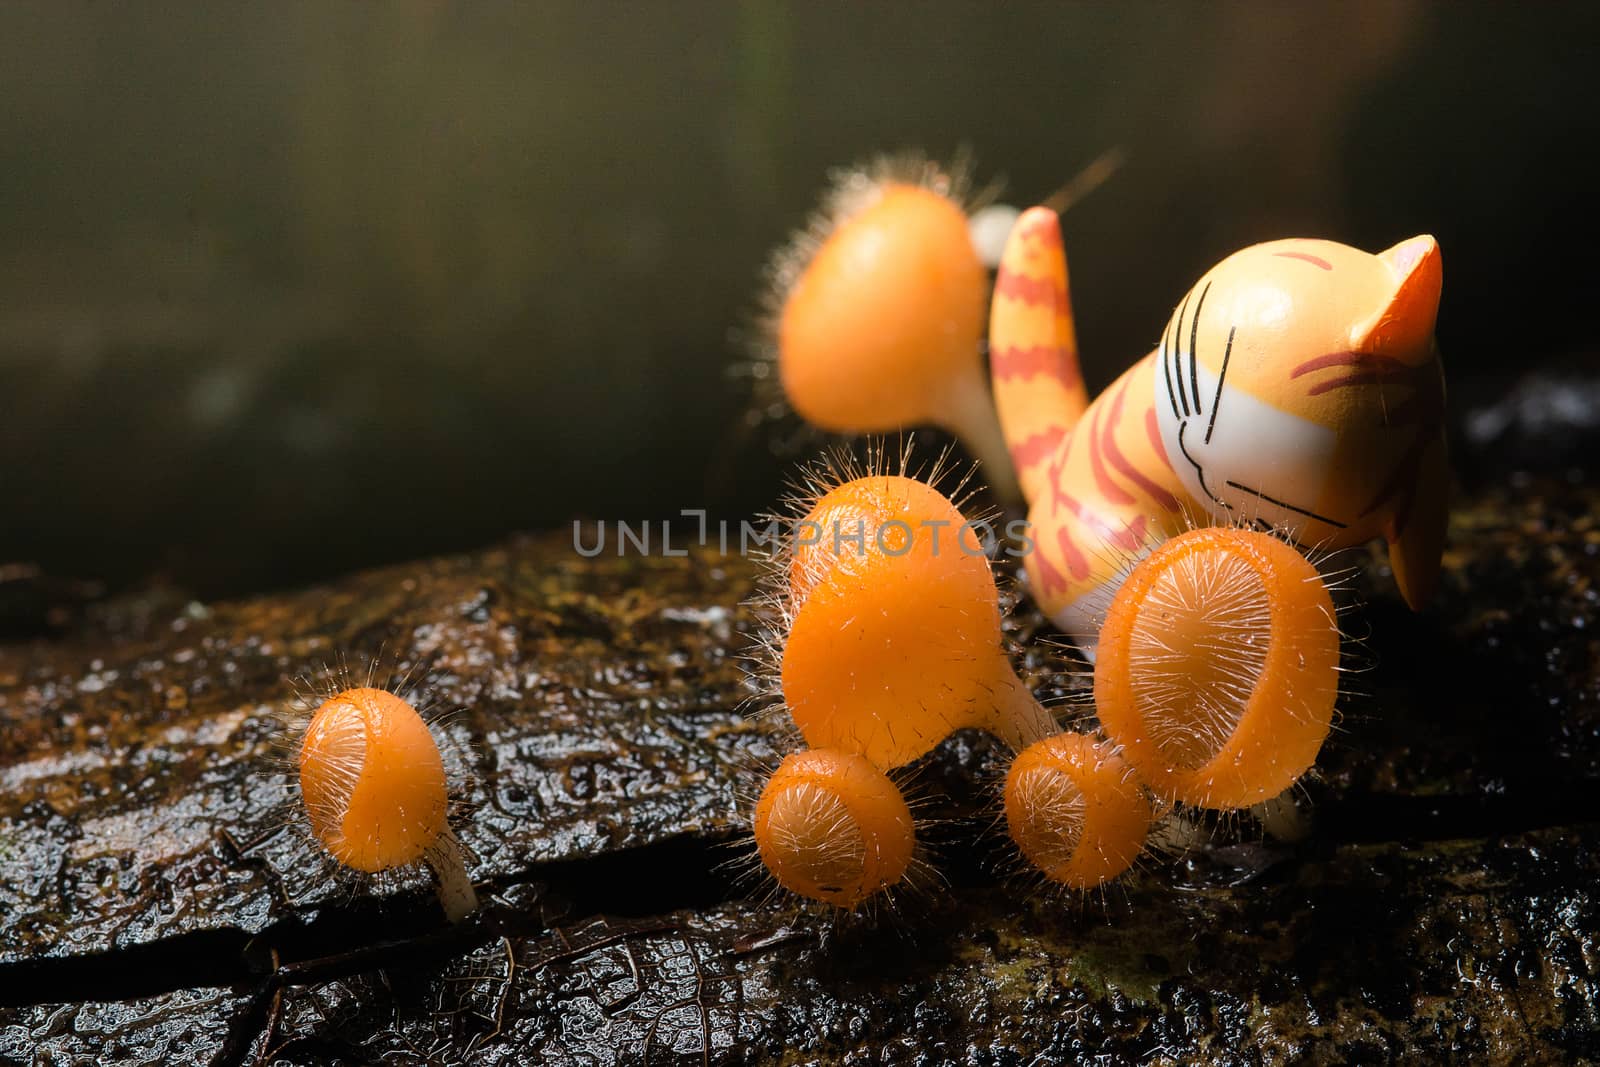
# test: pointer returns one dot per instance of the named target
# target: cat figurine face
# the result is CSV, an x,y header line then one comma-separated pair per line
x,y
1298,387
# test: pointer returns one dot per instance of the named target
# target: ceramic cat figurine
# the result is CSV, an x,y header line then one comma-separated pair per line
x,y
1297,387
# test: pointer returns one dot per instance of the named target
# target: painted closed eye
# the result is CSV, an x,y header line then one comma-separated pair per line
x,y
1243,475
1193,411
1179,355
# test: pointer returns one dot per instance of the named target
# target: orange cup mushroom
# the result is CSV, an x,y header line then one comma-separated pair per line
x,y
1075,810
893,639
375,791
1218,668
831,827
881,327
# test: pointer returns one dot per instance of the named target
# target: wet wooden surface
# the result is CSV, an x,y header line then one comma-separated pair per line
x,y
159,902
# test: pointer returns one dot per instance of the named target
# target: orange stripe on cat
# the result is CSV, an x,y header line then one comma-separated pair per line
x,y
1307,257
1137,530
1032,291
1051,580
1108,488
1026,361
1368,360
1363,378
1120,460
1129,537
1152,429
1043,228
1040,446
1052,476
1077,562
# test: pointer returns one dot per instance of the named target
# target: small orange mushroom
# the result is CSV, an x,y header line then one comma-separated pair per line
x,y
375,791
1218,667
880,312
893,638
1076,811
832,827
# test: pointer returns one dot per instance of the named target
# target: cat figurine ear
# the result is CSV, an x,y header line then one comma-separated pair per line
x,y
1403,330
1403,327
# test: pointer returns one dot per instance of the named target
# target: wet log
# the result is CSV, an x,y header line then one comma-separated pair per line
x,y
161,903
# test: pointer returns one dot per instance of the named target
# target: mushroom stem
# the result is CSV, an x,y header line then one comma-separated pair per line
x,y
1019,719
970,415
456,895
1282,817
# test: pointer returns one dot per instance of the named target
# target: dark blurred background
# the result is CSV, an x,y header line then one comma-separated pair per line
x,y
287,289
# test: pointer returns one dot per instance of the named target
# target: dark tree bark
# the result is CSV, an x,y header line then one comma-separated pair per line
x,y
162,902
